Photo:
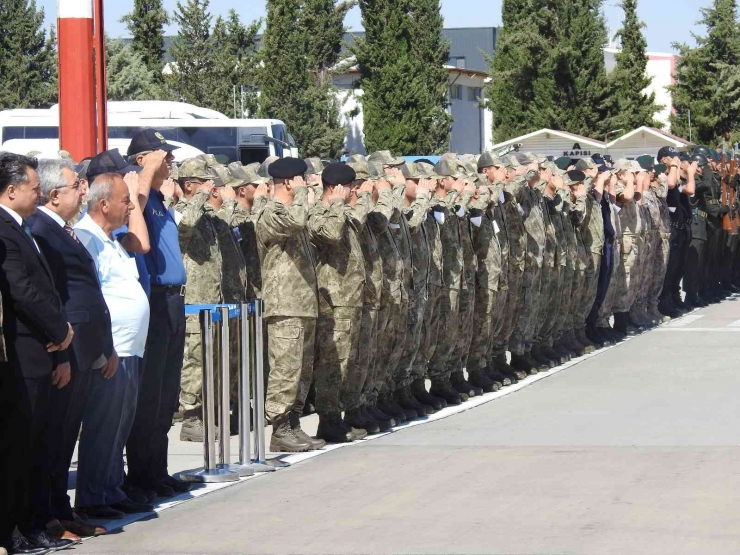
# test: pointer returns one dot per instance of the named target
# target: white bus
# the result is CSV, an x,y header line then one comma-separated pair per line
x,y
207,131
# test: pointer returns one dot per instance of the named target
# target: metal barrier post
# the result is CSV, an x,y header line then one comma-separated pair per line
x,y
245,413
209,473
225,384
259,390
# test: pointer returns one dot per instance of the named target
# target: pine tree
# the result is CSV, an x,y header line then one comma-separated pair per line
x,y
631,107
430,54
128,76
28,58
707,79
146,24
193,76
583,89
235,64
523,90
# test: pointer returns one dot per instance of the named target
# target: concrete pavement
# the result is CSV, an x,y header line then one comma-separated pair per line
x,y
632,451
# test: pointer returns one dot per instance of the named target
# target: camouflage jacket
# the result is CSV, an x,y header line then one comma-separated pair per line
x,y
412,243
629,217
554,204
498,219
487,250
393,265
528,199
662,214
340,265
592,227
551,242
199,244
515,230
289,285
569,230
234,283
377,222
434,238
453,261
245,221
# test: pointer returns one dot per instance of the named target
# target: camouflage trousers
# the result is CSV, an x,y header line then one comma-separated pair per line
x,y
564,302
290,357
448,307
659,268
552,295
413,347
628,273
590,289
605,312
643,272
429,333
458,359
335,357
502,336
391,341
483,323
359,391
527,309
191,379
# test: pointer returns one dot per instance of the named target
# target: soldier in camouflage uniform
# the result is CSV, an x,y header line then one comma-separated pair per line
x,y
659,212
340,271
289,289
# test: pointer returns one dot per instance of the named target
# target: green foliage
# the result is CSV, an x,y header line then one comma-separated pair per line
x,y
404,90
192,78
631,107
146,24
28,58
127,75
708,79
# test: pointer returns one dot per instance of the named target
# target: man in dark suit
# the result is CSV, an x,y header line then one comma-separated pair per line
x,y
37,335
92,350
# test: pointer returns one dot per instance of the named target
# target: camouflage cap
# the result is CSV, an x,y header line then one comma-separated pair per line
x,y
585,164
469,158
362,171
552,167
507,162
411,171
356,158
448,156
65,155
210,159
376,170
174,172
449,168
487,159
266,164
470,169
385,158
426,170
524,158
248,174
194,168
314,166
624,165
254,166
225,176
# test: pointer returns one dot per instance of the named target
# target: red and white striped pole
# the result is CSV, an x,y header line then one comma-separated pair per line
x,y
76,78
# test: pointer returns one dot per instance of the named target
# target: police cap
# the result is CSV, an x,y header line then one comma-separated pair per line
x,y
109,161
147,140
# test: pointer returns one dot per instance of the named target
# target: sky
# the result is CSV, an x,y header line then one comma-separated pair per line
x,y
666,22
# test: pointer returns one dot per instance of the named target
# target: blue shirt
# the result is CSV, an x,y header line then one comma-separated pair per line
x,y
164,260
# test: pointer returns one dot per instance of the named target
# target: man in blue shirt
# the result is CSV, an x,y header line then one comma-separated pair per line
x,y
160,383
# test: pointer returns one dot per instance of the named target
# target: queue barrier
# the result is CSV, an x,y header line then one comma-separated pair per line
x,y
214,328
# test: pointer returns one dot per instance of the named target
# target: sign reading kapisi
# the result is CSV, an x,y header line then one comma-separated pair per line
x,y
576,151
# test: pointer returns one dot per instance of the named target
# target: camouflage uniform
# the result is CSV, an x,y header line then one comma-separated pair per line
x,y
605,312
500,316
289,289
340,271
592,232
632,245
555,258
659,213
563,325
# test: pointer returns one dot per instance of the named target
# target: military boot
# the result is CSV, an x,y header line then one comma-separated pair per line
x,y
193,429
499,380
441,387
503,367
478,378
385,421
572,344
520,363
356,419
332,429
552,354
668,309
404,398
419,391
655,313
388,406
538,356
355,433
295,424
561,349
580,334
284,439
458,381
383,425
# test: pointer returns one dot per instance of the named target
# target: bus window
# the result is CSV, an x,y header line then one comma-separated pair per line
x,y
45,132
250,155
223,153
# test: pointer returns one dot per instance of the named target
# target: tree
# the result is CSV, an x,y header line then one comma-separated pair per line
x,y
28,63
235,64
523,90
707,79
631,106
128,76
193,76
146,24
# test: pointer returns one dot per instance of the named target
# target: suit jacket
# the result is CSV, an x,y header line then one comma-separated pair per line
x,y
76,280
32,311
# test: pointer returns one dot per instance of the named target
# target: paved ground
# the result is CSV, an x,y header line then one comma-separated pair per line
x,y
636,450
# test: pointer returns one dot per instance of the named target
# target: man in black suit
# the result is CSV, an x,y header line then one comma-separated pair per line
x,y
37,335
92,350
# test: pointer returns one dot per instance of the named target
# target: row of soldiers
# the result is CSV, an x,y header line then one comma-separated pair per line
x,y
380,274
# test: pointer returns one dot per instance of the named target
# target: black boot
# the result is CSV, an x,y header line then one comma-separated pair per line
x,y
385,421
522,364
419,391
404,398
388,406
499,378
503,367
441,387
538,356
552,354
478,378
358,420
458,381
333,430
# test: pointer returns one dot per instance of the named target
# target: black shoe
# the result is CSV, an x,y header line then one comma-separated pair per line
x,y
403,397
178,485
356,419
43,540
386,404
139,495
419,391
384,425
381,418
130,507
101,512
478,378
562,348
593,335
443,388
20,545
332,430
666,308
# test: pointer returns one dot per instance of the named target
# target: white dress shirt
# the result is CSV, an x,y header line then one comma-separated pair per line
x,y
53,215
19,220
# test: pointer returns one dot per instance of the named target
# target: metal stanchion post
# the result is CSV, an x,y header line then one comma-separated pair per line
x,y
245,413
259,390
209,473
225,383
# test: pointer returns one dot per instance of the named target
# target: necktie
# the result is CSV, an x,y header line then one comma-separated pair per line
x,y
71,232
27,231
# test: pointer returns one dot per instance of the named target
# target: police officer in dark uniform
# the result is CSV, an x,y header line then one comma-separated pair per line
x,y
707,288
696,255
